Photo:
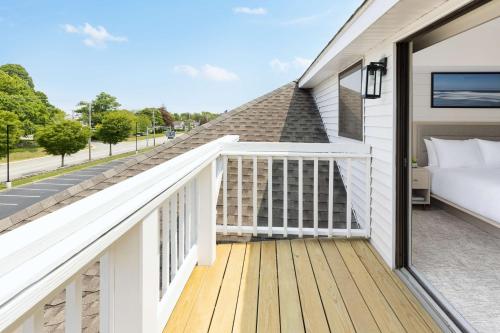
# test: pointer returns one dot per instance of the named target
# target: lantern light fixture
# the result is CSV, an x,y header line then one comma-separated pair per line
x,y
373,83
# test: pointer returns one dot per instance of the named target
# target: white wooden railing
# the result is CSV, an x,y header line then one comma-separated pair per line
x,y
147,233
342,154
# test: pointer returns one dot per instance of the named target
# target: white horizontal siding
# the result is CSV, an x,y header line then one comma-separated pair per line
x,y
326,97
378,133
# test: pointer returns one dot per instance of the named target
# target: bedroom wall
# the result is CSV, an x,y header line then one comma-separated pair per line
x,y
474,50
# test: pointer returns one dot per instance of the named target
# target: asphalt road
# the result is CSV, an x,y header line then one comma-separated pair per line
x,y
23,168
18,198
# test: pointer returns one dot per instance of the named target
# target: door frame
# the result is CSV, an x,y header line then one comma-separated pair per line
x,y
431,34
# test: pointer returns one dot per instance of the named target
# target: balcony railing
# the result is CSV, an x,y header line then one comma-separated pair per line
x,y
148,233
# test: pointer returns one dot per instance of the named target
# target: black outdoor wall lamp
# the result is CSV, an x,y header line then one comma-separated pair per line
x,y
374,73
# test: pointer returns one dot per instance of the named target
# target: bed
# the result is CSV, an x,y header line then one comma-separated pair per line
x,y
473,191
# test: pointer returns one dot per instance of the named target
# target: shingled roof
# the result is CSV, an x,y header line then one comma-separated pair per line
x,y
287,114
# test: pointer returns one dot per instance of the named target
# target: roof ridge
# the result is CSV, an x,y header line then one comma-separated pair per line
x,y
40,206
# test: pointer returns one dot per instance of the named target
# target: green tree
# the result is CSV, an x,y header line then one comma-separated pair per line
x,y
17,96
102,104
143,123
63,138
18,71
15,130
116,126
149,113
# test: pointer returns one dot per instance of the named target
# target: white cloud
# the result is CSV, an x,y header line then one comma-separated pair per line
x,y
209,72
284,66
218,73
250,11
69,28
94,36
187,69
279,66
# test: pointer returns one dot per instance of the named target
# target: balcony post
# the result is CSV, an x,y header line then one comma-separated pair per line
x,y
207,214
135,261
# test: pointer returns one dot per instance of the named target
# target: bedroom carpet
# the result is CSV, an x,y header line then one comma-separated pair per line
x,y
462,262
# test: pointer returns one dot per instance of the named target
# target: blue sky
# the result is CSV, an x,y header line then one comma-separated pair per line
x,y
190,56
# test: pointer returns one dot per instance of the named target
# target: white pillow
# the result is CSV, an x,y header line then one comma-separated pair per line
x,y
458,153
431,154
490,151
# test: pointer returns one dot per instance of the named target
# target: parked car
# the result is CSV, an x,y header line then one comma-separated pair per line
x,y
171,135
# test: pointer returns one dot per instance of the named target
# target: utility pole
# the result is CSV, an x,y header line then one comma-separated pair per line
x,y
90,127
136,137
8,184
154,128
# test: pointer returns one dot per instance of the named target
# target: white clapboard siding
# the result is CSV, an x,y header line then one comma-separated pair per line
x,y
378,133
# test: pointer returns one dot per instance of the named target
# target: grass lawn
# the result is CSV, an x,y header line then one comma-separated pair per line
x,y
158,135
17,154
62,171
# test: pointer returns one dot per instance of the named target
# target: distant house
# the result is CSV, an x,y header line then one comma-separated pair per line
x,y
179,125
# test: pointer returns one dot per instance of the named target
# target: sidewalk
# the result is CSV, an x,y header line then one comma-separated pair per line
x,y
23,168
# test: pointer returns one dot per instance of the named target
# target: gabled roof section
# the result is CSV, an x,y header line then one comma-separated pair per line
x,y
287,114
374,22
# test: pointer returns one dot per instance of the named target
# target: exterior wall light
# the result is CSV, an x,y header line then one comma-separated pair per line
x,y
374,73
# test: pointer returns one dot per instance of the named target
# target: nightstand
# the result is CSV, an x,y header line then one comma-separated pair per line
x,y
420,186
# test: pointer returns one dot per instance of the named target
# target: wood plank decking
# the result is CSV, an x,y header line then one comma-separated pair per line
x,y
298,286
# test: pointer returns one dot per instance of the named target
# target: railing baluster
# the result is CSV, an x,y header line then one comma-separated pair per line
x,y
254,196
173,235
301,171
330,196
34,323
368,197
181,226
165,259
189,209
270,196
240,208
224,195
315,198
73,306
194,212
106,292
348,197
285,197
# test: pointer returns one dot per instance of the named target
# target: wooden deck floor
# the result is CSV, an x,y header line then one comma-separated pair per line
x,y
298,286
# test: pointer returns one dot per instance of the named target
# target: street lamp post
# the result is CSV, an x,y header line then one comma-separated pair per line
x,y
8,183
154,128
136,137
90,127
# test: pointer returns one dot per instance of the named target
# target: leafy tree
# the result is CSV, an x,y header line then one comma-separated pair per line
x,y
143,123
15,130
63,138
102,104
18,71
149,113
168,119
17,96
13,85
116,126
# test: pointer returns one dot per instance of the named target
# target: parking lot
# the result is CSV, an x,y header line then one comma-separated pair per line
x,y
18,198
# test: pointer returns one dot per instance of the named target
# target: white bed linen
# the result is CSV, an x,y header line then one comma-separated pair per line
x,y
475,189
